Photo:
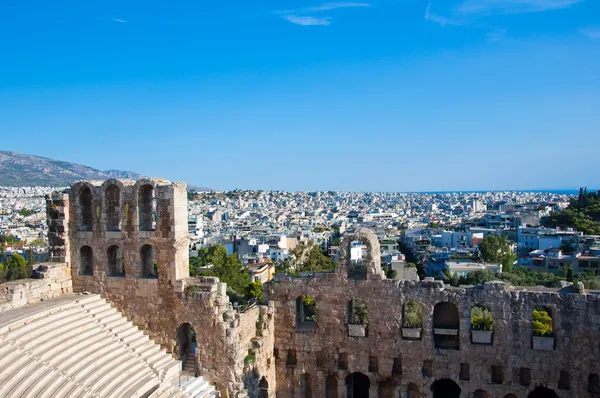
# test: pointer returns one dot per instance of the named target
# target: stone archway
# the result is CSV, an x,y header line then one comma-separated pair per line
x,y
445,388
186,347
370,265
357,385
542,392
263,388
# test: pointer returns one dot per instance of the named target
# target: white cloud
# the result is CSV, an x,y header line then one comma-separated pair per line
x,y
307,20
119,20
433,17
302,16
487,7
593,32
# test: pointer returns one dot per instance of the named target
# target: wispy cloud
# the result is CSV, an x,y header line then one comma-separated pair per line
x,y
487,7
307,20
119,20
593,32
302,16
433,17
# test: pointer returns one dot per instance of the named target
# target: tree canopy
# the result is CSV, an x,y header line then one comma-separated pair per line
x,y
582,214
495,249
14,267
308,257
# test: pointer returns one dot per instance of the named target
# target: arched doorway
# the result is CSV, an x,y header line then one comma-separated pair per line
x,y
542,392
412,391
186,347
331,388
386,389
481,394
357,385
263,388
445,388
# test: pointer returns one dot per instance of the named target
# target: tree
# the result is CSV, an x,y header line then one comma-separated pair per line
x,y
570,274
310,258
567,247
391,274
541,322
255,290
495,249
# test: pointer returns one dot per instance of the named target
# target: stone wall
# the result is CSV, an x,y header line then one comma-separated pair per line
x,y
118,213
576,319
52,280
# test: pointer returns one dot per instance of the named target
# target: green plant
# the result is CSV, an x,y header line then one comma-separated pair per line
x,y
309,309
541,322
481,318
250,358
413,316
358,312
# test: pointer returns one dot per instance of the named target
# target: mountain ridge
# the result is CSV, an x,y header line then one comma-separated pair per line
x,y
19,169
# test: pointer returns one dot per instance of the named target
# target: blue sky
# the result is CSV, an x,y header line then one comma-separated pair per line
x,y
381,95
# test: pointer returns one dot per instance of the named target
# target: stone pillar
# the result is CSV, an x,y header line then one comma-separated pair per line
x,y
57,216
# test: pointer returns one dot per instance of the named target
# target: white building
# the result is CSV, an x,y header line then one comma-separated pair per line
x,y
464,268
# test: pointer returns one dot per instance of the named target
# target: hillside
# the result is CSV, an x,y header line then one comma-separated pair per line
x,y
17,169
583,214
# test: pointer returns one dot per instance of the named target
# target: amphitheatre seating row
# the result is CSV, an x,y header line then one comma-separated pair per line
x,y
80,346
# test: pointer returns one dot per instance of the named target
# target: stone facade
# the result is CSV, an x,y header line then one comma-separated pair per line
x,y
317,361
51,280
128,241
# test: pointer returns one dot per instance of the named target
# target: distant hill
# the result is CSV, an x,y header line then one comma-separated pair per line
x,y
17,169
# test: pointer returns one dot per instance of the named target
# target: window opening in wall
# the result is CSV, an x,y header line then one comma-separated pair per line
x,y
497,374
331,387
112,206
445,388
427,368
276,353
412,320
356,266
342,361
564,380
373,365
446,326
320,360
465,371
357,386
412,391
149,264
358,318
291,358
525,376
114,255
86,261
386,389
306,386
482,324
542,329
542,392
306,312
263,388
86,215
397,367
146,208
481,394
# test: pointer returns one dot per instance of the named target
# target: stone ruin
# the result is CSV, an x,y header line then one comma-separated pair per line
x,y
128,241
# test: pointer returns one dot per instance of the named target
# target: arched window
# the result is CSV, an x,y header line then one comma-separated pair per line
x,y
481,394
356,265
114,255
306,312
412,320
149,265
306,386
358,318
146,208
86,216
446,324
445,388
482,324
263,388
542,328
331,387
357,385
386,389
412,391
86,261
542,392
112,206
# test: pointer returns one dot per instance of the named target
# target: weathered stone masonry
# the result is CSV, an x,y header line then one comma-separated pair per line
x,y
128,241
316,361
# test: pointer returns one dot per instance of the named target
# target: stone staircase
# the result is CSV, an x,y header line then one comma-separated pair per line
x,y
80,346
